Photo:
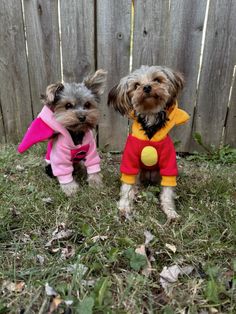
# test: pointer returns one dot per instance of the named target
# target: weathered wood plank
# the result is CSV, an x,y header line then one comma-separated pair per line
x,y
219,59
42,32
113,54
150,32
14,88
230,129
185,30
77,35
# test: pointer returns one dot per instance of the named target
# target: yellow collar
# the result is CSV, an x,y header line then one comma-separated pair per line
x,y
176,117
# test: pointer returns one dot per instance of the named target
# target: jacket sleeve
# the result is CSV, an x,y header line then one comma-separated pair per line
x,y
62,166
92,162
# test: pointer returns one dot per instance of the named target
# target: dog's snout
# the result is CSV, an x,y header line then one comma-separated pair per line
x,y
147,88
82,118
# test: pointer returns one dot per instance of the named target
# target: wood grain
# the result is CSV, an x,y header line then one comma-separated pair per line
x,y
77,35
150,32
42,32
14,88
113,55
185,28
219,58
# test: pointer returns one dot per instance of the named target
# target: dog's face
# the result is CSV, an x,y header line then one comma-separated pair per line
x,y
147,90
75,105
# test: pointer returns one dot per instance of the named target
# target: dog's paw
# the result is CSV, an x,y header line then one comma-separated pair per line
x,y
168,203
95,180
70,189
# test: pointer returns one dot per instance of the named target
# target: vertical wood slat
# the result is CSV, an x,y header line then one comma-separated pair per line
x,y
219,58
42,32
113,54
150,32
14,88
230,129
77,35
185,31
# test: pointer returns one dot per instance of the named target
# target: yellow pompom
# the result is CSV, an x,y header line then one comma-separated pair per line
x,y
149,156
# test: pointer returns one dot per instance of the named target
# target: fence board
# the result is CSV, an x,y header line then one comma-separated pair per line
x,y
185,30
14,87
113,50
150,32
230,130
42,32
219,58
77,35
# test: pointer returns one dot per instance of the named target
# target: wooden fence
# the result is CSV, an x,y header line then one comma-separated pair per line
x,y
44,41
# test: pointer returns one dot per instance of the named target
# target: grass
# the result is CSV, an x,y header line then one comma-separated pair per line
x,y
106,274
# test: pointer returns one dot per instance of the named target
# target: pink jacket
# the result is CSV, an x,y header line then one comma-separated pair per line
x,y
61,151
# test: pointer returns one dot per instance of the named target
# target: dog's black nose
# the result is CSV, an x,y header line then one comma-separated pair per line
x,y
82,118
147,88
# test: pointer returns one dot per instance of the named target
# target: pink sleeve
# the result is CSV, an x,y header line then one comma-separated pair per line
x,y
92,162
61,163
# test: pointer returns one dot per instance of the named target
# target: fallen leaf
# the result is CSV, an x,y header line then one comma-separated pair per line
x,y
60,233
147,269
169,275
49,290
47,200
20,168
13,286
80,269
68,302
56,301
40,259
99,237
171,247
88,283
67,252
148,237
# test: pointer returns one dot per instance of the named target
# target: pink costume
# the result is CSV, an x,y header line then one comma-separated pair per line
x,y
61,151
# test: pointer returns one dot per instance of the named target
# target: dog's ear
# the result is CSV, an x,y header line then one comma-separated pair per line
x,y
96,82
178,81
118,98
52,94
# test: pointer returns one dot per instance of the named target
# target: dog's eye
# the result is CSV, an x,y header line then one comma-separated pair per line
x,y
136,85
157,79
87,105
68,106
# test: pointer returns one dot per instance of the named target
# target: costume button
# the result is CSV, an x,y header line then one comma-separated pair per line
x,y
149,156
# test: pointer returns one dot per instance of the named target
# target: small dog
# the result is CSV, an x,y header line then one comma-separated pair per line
x,y
69,114
149,96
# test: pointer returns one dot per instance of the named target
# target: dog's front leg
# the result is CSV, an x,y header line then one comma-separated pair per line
x,y
125,204
168,203
70,188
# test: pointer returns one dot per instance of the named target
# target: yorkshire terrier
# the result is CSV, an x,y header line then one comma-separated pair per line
x,y
69,115
149,96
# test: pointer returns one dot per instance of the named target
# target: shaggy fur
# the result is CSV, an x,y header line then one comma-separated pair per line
x,y
149,92
75,106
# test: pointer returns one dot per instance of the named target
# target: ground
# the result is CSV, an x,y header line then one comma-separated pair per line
x,y
82,249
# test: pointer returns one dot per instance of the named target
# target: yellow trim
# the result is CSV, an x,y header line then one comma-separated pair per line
x,y
168,181
128,178
176,117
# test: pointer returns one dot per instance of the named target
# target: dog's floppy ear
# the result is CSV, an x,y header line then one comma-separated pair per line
x,y
52,94
178,80
118,98
96,82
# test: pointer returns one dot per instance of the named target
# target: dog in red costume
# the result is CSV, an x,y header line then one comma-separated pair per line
x,y
149,97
